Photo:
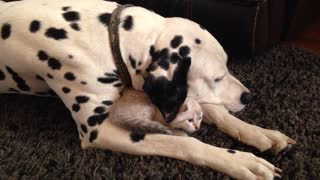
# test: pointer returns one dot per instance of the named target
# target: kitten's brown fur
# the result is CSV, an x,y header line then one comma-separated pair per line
x,y
135,111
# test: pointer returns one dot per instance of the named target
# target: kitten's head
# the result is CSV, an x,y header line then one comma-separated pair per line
x,y
189,117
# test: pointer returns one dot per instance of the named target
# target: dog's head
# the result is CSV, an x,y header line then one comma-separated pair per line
x,y
209,80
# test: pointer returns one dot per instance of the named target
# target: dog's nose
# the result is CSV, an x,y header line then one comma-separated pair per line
x,y
246,98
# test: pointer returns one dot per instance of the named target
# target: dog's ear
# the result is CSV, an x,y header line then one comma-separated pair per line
x,y
157,89
148,85
180,76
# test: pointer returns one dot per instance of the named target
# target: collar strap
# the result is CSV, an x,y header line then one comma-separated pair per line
x,y
115,46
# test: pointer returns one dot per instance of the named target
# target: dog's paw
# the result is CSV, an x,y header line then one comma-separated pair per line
x,y
279,140
266,139
247,166
263,139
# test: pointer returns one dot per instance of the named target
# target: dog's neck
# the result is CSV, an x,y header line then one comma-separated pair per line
x,y
136,40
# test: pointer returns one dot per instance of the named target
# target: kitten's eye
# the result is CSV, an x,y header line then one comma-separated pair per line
x,y
190,120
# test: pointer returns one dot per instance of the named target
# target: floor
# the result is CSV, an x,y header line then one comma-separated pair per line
x,y
39,140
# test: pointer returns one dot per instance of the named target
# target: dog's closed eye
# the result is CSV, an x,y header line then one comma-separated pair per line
x,y
218,79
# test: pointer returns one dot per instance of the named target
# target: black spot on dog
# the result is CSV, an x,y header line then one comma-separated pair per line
x,y
136,136
49,76
174,58
164,64
164,53
21,83
97,119
151,67
71,16
81,134
82,99
184,51
104,18
84,128
83,82
66,90
138,71
128,23
132,62
34,26
152,51
75,107
69,76
117,85
75,26
56,34
93,136
160,55
5,31
140,63
107,103
54,64
100,110
176,41
70,56
39,77
231,151
42,55
2,75
65,8
197,41
107,80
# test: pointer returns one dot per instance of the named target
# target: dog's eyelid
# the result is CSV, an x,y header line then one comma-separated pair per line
x,y
218,79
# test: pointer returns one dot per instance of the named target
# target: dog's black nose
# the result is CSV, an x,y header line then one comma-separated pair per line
x,y
246,98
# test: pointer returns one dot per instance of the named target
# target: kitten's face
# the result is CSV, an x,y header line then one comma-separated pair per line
x,y
189,117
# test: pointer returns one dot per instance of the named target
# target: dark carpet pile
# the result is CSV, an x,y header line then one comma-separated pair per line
x,y
38,139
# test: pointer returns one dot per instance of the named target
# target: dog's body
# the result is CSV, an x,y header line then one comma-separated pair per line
x,y
63,45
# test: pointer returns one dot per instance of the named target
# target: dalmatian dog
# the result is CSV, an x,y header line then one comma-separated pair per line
x,y
62,47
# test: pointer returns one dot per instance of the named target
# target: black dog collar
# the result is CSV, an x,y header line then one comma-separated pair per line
x,y
114,42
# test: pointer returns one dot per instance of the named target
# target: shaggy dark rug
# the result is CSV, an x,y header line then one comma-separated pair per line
x,y
38,139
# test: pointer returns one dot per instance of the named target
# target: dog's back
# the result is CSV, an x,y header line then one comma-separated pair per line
x,y
44,39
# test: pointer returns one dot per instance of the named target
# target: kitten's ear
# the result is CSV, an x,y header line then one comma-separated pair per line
x,y
183,108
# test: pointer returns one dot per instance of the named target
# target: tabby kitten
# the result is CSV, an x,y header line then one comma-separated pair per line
x,y
135,111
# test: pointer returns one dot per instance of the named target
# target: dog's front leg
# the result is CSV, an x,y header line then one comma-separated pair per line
x,y
240,165
261,138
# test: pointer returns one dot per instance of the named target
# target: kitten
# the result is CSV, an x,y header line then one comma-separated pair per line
x,y
135,111
189,117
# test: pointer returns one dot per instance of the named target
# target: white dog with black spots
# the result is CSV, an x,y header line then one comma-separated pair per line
x,y
62,47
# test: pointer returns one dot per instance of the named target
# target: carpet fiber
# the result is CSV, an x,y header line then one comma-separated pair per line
x,y
38,139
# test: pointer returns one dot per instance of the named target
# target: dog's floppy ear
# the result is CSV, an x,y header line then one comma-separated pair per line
x,y
156,89
180,76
